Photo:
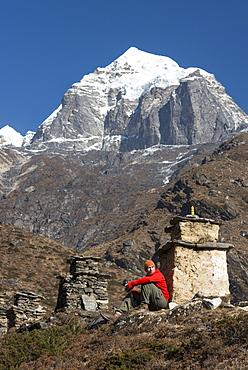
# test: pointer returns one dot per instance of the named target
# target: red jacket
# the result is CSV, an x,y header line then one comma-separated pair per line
x,y
156,278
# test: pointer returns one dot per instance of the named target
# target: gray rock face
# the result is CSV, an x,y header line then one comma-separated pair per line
x,y
195,113
119,108
191,113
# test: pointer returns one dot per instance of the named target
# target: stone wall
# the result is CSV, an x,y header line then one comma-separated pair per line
x,y
190,270
195,232
27,307
84,288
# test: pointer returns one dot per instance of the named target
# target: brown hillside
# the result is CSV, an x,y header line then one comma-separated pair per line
x,y
218,189
30,261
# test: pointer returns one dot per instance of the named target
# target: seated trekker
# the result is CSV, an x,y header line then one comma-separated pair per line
x,y
154,294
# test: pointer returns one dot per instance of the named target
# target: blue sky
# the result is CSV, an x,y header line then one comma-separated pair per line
x,y
46,46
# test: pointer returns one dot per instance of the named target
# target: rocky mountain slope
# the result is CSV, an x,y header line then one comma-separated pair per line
x,y
217,189
73,197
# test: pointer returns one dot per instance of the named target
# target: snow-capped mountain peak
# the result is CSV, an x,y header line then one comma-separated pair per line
x,y
135,72
140,100
9,136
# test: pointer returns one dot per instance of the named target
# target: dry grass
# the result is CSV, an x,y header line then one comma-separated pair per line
x,y
30,261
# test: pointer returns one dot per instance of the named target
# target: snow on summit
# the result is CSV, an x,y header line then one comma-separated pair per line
x,y
132,74
142,71
135,72
9,136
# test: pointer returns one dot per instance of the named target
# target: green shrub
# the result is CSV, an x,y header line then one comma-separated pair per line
x,y
133,358
29,346
128,360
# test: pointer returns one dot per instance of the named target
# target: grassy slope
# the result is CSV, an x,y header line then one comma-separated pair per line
x,y
216,340
30,261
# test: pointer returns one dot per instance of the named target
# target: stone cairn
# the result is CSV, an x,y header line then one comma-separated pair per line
x,y
193,261
27,307
3,316
84,288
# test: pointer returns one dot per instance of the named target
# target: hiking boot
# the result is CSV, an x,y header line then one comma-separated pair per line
x,y
112,317
117,311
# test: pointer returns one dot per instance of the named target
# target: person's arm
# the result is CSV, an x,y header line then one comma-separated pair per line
x,y
144,280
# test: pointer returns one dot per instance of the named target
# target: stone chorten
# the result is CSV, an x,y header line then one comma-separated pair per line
x,y
84,288
193,261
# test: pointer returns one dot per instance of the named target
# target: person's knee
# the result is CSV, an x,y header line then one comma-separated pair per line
x,y
149,286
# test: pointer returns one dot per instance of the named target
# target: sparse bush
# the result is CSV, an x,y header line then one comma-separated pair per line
x,y
127,360
29,346
41,257
133,358
234,329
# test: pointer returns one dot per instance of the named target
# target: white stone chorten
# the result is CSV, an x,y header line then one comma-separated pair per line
x,y
193,261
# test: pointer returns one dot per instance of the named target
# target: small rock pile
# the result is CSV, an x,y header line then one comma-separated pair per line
x,y
3,316
84,288
27,307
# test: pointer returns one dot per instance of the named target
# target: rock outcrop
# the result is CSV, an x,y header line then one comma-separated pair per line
x,y
198,304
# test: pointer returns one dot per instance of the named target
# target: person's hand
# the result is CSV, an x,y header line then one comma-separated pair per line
x,y
127,289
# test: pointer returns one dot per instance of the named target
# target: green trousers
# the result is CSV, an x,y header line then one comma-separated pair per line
x,y
150,294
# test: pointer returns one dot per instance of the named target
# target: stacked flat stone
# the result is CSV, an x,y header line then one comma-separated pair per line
x,y
80,265
3,316
27,307
84,288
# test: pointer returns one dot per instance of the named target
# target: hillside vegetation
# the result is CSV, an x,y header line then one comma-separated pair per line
x,y
216,340
30,261
217,185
